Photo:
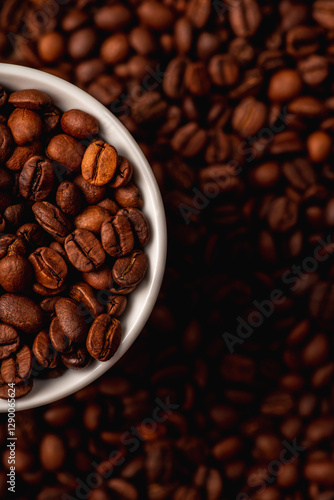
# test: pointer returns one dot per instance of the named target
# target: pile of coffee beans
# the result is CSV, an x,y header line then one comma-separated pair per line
x,y
71,240
232,103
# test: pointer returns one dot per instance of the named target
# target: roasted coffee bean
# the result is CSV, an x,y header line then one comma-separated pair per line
x,y
245,17
129,271
116,235
25,126
284,85
44,351
77,359
173,81
299,173
84,250
319,146
104,337
323,13
32,236
11,245
303,41
92,194
92,218
52,219
36,178
149,108
66,151
71,322
79,124
21,313
58,339
196,79
51,117
15,273
112,17
319,303
123,173
68,198
18,367
102,279
30,99
282,214
314,70
116,305
189,140
99,163
21,155
249,117
6,142
49,267
155,15
83,293
223,70
14,216
9,341
128,196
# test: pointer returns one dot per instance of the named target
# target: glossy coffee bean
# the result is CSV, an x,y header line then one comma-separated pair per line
x,y
99,163
36,178
66,151
25,126
44,351
52,220
81,292
70,320
17,368
21,313
123,173
49,267
9,341
68,198
77,359
30,99
92,218
129,271
84,250
58,339
104,337
15,273
79,124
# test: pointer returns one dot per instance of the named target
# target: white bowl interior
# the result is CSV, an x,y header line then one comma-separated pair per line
x,y
67,96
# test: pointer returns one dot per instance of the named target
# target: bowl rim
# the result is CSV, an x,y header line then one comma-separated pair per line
x,y
158,233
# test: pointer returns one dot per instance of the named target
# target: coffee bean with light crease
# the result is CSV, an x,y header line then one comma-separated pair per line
x,y
52,219
36,178
129,271
99,163
104,337
44,352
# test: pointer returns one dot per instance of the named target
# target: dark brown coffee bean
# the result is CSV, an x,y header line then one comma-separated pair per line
x,y
30,99
68,198
155,15
303,41
223,70
284,85
21,155
196,79
52,452
129,271
6,142
83,293
36,178
299,173
323,13
88,70
265,175
82,43
66,151
115,49
17,368
25,126
49,267
44,352
249,117
148,108
21,312
92,194
319,303
48,292
105,88
14,215
51,118
128,196
282,214
104,337
117,236
76,359
112,17
58,339
48,305
84,250
15,273
71,322
11,245
52,220
314,70
245,17
32,236
21,389
319,146
92,218
9,341
198,12
307,106
189,140
79,124
173,81
116,305
99,163
250,85
102,279
123,173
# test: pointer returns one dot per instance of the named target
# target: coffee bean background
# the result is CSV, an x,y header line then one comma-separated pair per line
x,y
228,392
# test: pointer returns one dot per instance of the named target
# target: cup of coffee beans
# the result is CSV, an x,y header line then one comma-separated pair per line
x,y
81,227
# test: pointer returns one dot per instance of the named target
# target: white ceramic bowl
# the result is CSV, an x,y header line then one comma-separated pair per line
x,y
67,96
